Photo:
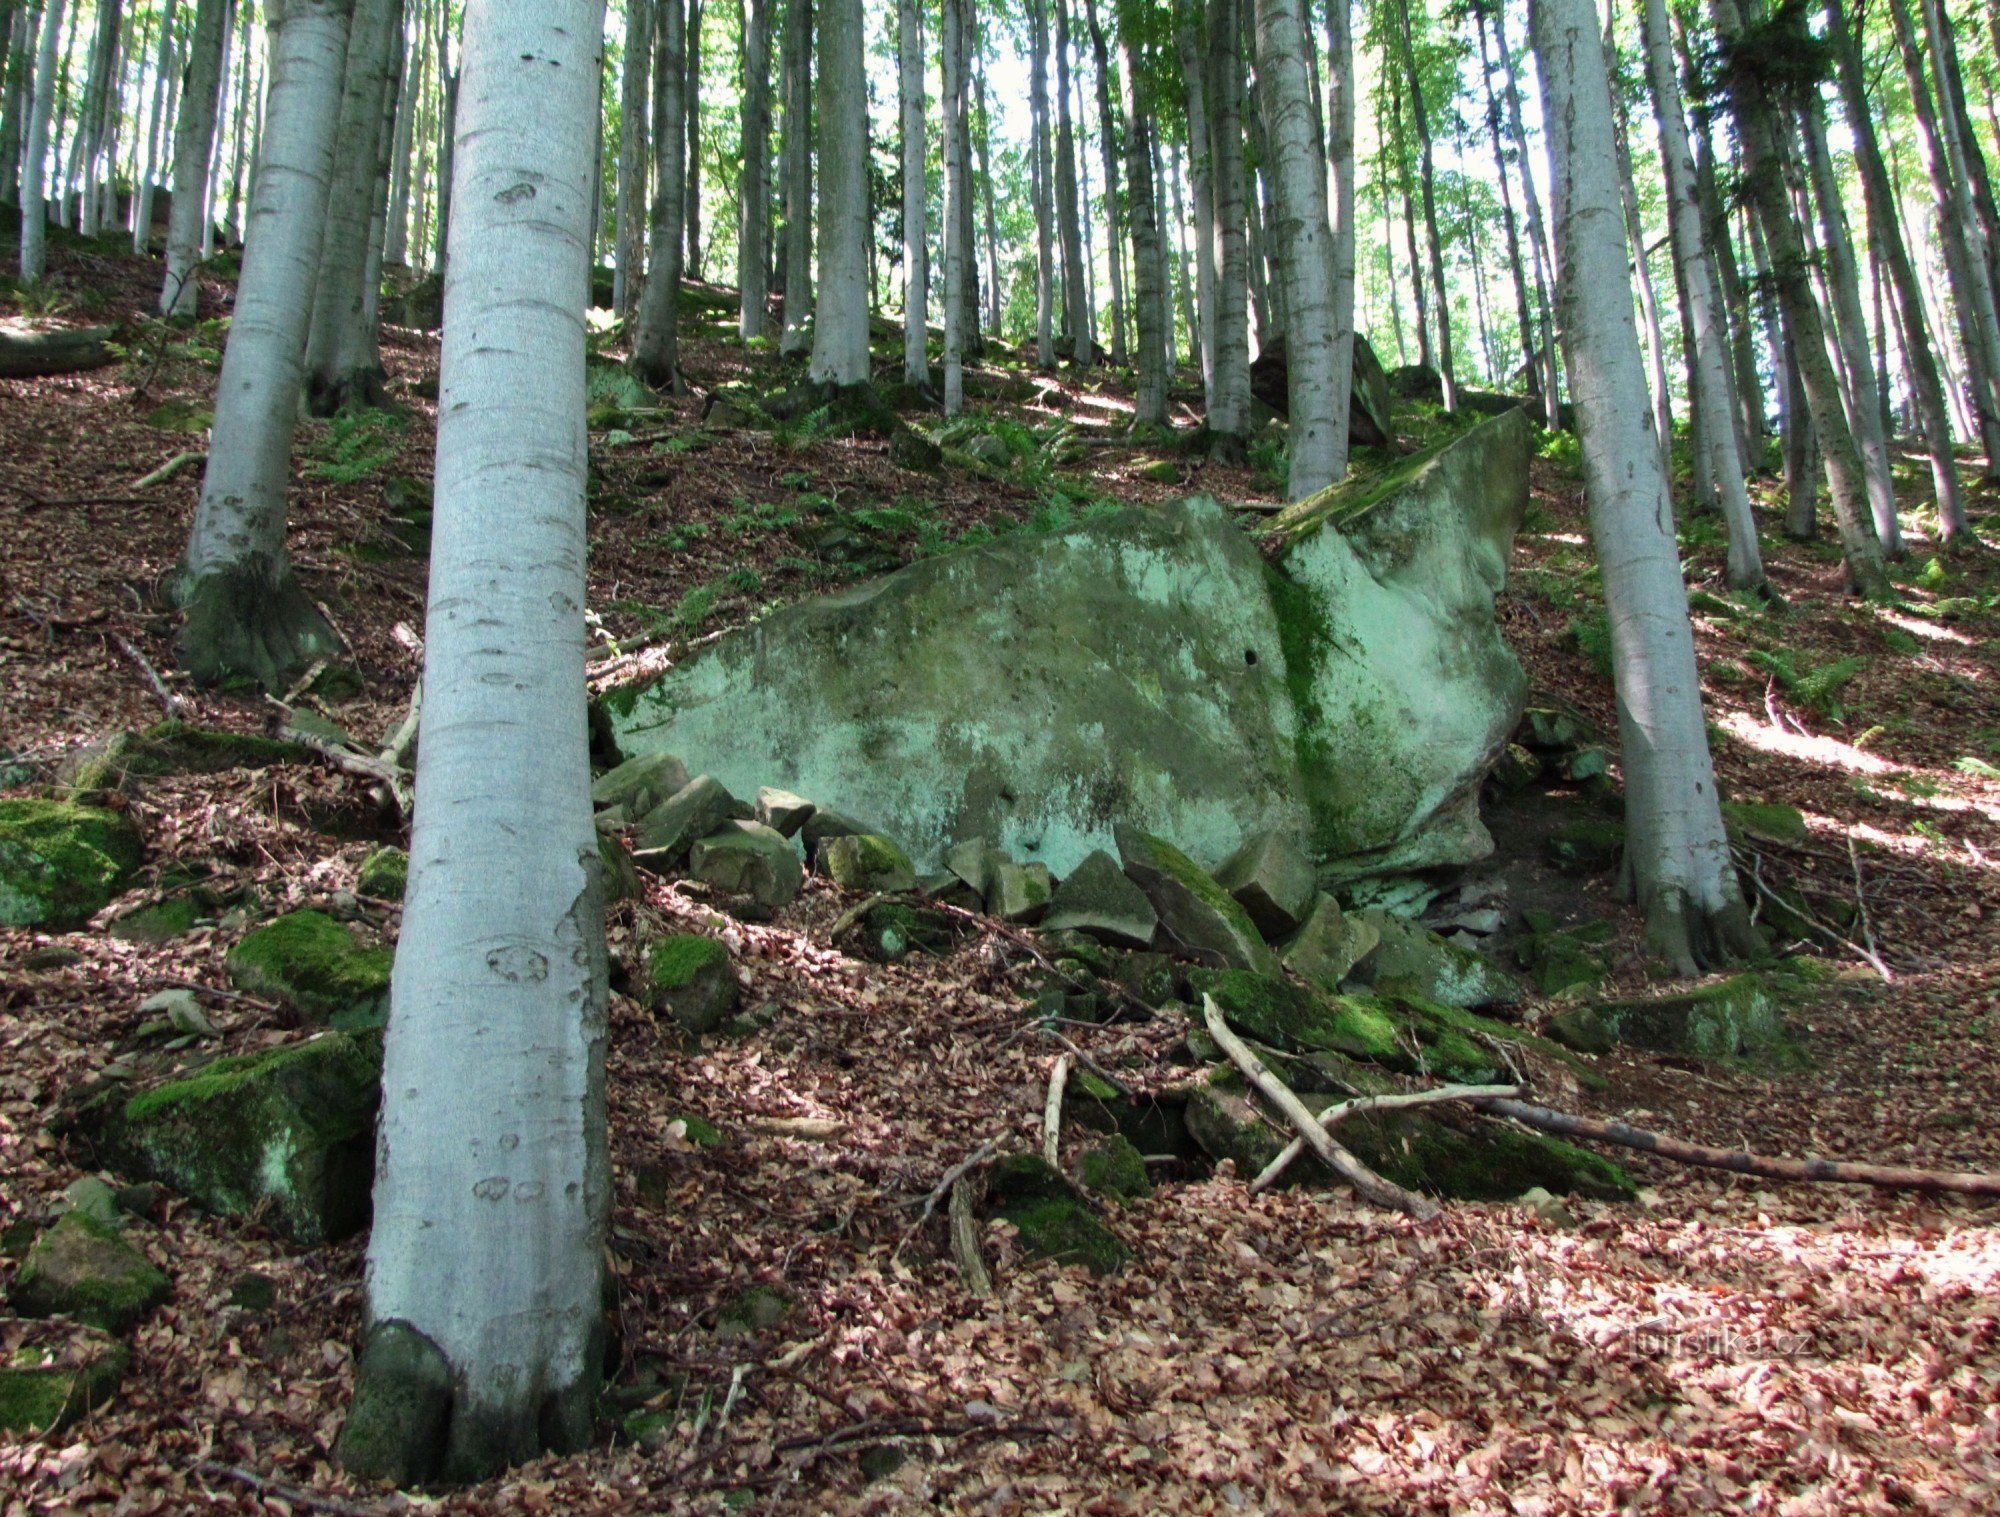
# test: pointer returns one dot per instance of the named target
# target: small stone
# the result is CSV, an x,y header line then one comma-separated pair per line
x,y
621,875
781,811
383,874
95,1199
50,956
973,862
1273,880
158,922
181,1009
36,1401
81,1268
756,1310
826,823
865,861
647,780
1203,917
1416,961
1098,899
749,859
1054,1219
697,809
1162,471
688,975
1116,1168
254,1292
1547,1208
1516,768
889,931
1019,892
1483,920
1719,1020
1328,944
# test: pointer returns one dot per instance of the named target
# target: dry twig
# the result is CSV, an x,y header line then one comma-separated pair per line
x,y
1052,1109
1334,1115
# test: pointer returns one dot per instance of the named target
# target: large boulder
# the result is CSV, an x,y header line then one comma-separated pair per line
x,y
1147,667
61,863
1369,402
1405,691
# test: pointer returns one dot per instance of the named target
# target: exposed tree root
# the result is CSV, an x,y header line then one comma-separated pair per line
x,y
252,622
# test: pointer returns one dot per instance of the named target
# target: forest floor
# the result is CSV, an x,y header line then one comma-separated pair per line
x,y
1800,1349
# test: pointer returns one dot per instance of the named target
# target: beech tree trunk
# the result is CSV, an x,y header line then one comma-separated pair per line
x,y
1043,165
796,169
396,228
1677,860
1540,254
34,205
148,175
1076,307
1301,235
90,135
1201,190
951,28
1708,381
634,98
1115,199
753,213
343,361
247,615
691,147
840,328
1229,407
1340,149
1427,173
1885,225
986,198
1758,122
656,344
1150,408
916,243
1531,365
486,1350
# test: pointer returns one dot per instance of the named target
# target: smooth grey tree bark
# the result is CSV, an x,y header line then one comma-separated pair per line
x,y
1340,150
1523,306
1043,165
634,99
1885,226
1114,197
1201,187
1427,175
1843,282
691,141
916,244
34,172
796,170
984,143
247,615
91,167
1677,864
484,1328
1076,274
656,351
396,225
1708,381
1539,251
142,190
1649,306
951,42
1758,125
840,327
1302,235
753,216
1229,406
343,361
1150,297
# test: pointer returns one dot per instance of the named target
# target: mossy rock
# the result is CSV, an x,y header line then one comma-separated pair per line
x,y
60,862
688,976
1560,959
385,873
1717,1021
755,1310
158,923
82,1268
697,1130
1585,846
1411,959
890,931
287,1134
866,861
1197,911
180,416
1054,1220
1769,822
36,1401
310,962
1114,1168
176,747
1276,1011
1478,1159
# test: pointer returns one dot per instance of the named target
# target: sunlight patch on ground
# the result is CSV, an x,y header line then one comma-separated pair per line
x,y
1936,632
1827,751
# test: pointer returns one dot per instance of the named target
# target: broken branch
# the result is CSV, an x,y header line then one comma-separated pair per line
x,y
965,1241
1835,1171
1333,1116
1052,1109
1364,1180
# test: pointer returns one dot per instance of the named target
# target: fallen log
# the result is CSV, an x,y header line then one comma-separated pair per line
x,y
26,353
1365,1181
1834,1171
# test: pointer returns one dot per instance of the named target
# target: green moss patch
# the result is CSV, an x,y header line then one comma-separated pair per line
x,y
688,976
1483,1160
61,863
179,748
158,922
310,962
287,1133
1054,1220
1772,823
674,962
1114,1167
37,1400
82,1268
1721,1020
385,873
